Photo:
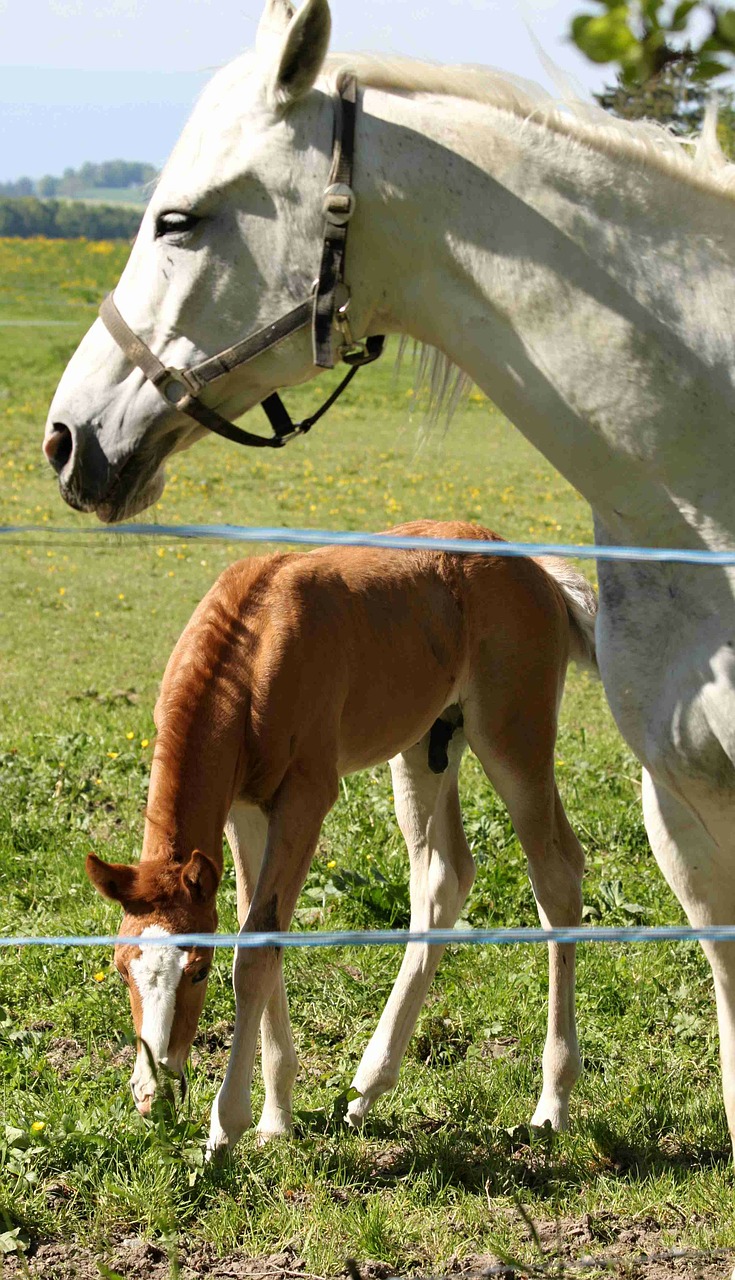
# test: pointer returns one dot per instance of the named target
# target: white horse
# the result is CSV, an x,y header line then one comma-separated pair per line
x,y
581,271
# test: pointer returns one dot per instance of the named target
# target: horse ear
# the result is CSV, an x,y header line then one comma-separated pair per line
x,y
300,52
272,28
200,877
114,880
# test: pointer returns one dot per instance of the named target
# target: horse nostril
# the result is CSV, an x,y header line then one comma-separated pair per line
x,y
59,446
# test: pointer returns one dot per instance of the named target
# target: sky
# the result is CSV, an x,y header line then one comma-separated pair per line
x,y
101,79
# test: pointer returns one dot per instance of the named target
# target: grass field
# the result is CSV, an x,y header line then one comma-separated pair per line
x,y
442,1173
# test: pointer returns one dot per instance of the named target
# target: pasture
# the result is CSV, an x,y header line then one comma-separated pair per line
x,y
445,1172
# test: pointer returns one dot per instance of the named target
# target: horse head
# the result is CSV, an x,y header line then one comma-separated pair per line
x,y
231,239
166,984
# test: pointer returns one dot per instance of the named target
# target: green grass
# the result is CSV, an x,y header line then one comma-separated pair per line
x,y
85,631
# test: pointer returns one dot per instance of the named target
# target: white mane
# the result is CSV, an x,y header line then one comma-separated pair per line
x,y
700,161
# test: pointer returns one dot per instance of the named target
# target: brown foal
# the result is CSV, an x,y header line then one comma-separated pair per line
x,y
298,669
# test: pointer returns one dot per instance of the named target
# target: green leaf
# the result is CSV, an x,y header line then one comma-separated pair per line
x,y
10,1241
649,9
726,28
604,39
710,68
680,15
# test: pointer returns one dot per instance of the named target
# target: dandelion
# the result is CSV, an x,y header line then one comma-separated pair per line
x,y
144,742
62,591
121,595
113,754
99,977
97,613
331,864
38,1126
130,735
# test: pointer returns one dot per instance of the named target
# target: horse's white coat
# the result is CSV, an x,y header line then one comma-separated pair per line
x,y
581,271
156,973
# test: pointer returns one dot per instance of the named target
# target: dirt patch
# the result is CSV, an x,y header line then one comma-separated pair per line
x,y
569,1250
601,1244
62,1053
136,1259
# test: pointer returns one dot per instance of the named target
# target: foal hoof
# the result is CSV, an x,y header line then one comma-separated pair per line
x,y
273,1124
357,1111
555,1113
221,1139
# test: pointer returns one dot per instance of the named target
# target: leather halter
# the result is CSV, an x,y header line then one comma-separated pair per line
x,y
326,307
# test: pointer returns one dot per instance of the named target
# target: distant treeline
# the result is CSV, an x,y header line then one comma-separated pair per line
x,y
61,220
118,174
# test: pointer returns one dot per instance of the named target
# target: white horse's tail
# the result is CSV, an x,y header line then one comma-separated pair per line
x,y
581,602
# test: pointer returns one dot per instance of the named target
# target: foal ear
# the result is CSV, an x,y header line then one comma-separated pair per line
x,y
114,880
200,877
300,51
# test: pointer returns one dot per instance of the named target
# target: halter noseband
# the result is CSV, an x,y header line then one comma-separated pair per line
x,y
326,307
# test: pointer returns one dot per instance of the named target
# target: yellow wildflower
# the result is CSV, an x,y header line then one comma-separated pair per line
x,y
100,977
331,864
144,742
113,754
38,1126
130,735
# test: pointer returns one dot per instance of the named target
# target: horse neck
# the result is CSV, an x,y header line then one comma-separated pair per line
x,y
579,285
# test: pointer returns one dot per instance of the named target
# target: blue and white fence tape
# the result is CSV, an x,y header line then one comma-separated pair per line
x,y
387,937
388,541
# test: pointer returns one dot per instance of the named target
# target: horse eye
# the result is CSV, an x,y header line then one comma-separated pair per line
x,y
201,975
175,223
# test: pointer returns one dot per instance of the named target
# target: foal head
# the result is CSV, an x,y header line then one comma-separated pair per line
x,y
166,984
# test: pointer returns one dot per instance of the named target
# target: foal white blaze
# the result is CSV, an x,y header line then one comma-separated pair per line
x,y
580,270
156,972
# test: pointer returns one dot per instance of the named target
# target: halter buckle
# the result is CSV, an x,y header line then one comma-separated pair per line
x,y
176,384
338,203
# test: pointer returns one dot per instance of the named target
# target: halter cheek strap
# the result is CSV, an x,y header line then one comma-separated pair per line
x,y
325,309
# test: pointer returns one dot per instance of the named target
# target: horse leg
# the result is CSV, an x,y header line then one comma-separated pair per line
x,y
247,830
442,872
518,758
701,873
301,803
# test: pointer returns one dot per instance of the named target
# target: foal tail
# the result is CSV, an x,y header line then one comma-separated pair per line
x,y
581,603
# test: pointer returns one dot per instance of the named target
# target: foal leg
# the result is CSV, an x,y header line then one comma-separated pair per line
x,y
518,760
301,804
442,871
701,873
247,830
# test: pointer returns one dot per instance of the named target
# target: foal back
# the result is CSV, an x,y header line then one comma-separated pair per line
x,y
354,653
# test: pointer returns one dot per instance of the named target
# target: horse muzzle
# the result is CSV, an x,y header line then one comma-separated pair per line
x,y
89,482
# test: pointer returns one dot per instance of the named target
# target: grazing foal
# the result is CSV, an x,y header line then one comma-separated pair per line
x,y
298,669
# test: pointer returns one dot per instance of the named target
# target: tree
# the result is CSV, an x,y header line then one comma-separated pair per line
x,y
675,97
48,186
642,39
